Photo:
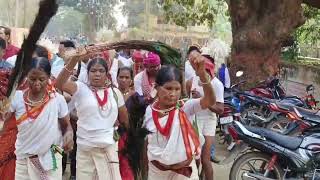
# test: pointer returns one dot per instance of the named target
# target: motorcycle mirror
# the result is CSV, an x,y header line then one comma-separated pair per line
x,y
239,73
310,88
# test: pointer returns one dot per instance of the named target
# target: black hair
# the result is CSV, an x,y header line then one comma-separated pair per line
x,y
97,60
124,68
7,31
192,48
41,51
209,57
68,43
167,74
3,44
41,63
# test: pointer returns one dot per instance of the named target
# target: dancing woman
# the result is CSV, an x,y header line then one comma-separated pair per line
x,y
98,108
173,144
43,126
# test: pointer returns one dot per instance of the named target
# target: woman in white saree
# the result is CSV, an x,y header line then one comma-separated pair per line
x,y
43,126
173,144
98,107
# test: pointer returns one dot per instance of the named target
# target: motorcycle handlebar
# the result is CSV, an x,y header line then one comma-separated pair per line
x,y
237,84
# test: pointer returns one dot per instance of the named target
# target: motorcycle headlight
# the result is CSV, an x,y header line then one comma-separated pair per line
x,y
236,103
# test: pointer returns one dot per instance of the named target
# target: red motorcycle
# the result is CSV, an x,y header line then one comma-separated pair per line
x,y
272,89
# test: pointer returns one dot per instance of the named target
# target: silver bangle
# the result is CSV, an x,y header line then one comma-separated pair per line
x,y
204,83
208,81
68,70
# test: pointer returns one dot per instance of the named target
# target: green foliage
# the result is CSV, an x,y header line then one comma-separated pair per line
x,y
138,33
70,16
168,54
191,12
291,53
309,33
133,10
309,62
100,10
136,9
222,26
105,35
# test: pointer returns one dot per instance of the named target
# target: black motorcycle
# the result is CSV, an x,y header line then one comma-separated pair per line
x,y
263,154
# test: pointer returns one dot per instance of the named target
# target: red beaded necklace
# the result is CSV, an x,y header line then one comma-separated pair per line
x,y
101,102
165,131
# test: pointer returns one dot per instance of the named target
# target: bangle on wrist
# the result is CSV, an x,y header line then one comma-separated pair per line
x,y
204,83
68,70
207,82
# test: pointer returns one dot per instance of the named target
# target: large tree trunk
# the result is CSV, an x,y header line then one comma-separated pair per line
x,y
259,27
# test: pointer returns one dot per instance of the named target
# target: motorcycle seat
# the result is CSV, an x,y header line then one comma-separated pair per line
x,y
228,95
259,100
284,106
294,100
289,142
308,114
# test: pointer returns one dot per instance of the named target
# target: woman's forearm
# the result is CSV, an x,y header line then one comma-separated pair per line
x,y
209,98
65,74
65,125
123,117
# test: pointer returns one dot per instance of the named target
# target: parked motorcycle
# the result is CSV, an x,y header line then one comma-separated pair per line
x,y
273,89
297,119
232,109
255,108
268,155
277,115
231,112
285,121
260,111
270,88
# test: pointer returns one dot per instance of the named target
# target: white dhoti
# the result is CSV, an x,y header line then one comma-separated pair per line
x,y
156,174
98,164
25,170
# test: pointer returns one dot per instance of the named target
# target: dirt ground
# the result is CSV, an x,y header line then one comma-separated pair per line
x,y
221,171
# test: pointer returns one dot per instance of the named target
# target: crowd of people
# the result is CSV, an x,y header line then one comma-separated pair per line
x,y
77,104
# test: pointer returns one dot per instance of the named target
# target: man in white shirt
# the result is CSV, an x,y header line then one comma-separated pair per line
x,y
207,119
188,69
57,63
144,81
125,59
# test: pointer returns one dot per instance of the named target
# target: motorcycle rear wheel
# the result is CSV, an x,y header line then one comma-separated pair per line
x,y
247,159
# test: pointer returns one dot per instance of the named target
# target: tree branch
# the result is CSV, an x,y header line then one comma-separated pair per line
x,y
313,3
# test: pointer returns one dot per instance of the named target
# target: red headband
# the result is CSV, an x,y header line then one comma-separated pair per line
x,y
151,58
137,57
